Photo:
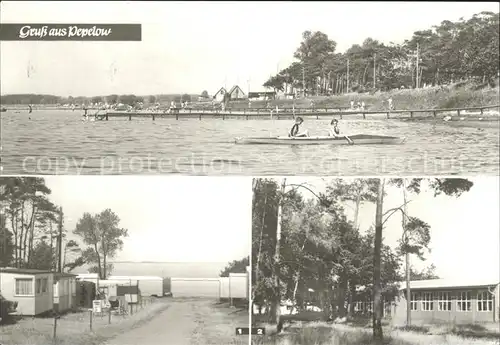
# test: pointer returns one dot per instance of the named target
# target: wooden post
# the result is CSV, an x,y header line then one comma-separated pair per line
x,y
458,112
109,316
411,113
177,116
131,309
364,116
341,116
434,113
387,114
106,117
91,317
200,116
129,117
481,109
153,117
55,330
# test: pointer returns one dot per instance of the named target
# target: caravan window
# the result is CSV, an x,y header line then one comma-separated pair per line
x,y
45,284
24,286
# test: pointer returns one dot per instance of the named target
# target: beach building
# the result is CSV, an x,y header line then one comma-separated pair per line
x,y
459,301
219,95
262,95
64,292
196,287
32,289
236,93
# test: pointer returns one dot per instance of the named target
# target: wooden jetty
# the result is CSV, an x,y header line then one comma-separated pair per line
x,y
286,113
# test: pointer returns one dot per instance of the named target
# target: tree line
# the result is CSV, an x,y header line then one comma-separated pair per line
x,y
33,234
25,99
446,53
301,245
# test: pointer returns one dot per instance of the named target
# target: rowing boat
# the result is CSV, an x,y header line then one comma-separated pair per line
x,y
357,139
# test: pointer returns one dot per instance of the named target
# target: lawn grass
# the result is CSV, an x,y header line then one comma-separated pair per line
x,y
74,328
308,329
320,333
216,325
460,95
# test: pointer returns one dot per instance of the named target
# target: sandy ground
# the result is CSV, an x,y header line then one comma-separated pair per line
x,y
189,322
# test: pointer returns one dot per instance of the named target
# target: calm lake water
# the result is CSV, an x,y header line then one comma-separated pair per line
x,y
58,142
165,269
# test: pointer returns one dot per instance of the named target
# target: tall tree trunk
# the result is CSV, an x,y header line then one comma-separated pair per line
x,y
104,259
356,209
352,293
99,266
364,74
276,263
342,289
21,237
259,253
407,260
297,279
13,222
31,234
52,252
377,257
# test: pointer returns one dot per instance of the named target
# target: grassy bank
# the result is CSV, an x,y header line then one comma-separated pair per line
x,y
459,95
321,333
74,328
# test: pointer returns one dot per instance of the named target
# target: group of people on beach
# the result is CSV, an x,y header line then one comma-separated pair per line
x,y
295,132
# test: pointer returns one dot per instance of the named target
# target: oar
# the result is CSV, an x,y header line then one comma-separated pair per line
x,y
348,140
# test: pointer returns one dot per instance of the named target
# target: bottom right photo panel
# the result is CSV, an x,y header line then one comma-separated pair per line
x,y
353,261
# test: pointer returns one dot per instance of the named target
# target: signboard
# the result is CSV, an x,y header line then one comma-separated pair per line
x,y
97,306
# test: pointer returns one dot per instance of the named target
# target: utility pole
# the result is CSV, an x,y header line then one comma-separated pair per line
x,y
59,245
418,58
374,70
347,75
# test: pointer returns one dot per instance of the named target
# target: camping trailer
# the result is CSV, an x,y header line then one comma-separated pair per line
x,y
32,289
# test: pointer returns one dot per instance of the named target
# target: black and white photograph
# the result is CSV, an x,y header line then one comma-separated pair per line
x,y
400,261
250,88
249,172
124,260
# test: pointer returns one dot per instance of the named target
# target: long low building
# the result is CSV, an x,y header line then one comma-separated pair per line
x,y
148,285
196,287
235,286
449,301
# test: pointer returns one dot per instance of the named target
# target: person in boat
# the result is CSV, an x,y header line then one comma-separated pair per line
x,y
295,131
334,130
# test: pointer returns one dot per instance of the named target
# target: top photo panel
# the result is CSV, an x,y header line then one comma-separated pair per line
x,y
249,88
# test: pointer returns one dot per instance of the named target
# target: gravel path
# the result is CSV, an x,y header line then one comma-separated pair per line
x,y
188,322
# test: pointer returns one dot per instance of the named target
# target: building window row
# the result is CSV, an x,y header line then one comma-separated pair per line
x,y
484,301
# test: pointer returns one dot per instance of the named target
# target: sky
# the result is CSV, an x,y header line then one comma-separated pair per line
x,y
464,231
195,46
169,219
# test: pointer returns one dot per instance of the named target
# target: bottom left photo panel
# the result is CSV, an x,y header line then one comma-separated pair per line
x,y
125,260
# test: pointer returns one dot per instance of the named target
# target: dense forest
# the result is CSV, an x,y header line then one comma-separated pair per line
x,y
446,53
307,250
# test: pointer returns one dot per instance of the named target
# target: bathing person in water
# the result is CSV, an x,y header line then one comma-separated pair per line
x,y
334,130
30,108
294,132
